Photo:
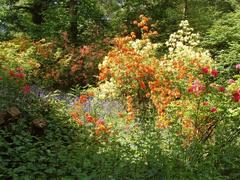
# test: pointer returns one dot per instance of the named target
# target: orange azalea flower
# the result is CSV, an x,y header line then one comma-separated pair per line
x,y
76,118
120,114
148,95
134,37
130,117
79,122
145,28
141,24
145,19
83,99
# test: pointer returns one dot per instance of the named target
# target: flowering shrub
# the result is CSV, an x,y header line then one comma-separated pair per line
x,y
234,86
89,112
183,36
64,66
16,52
49,63
13,84
180,86
15,77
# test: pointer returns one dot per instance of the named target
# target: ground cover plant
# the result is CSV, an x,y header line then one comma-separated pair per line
x,y
128,107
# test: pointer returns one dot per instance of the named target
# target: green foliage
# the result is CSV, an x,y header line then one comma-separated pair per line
x,y
223,41
167,14
180,119
68,151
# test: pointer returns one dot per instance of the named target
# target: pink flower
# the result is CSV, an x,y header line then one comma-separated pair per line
x,y
197,88
238,66
26,89
100,122
214,73
20,69
230,81
205,70
213,109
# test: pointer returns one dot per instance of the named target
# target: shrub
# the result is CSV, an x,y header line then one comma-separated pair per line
x,y
13,85
49,63
223,41
181,86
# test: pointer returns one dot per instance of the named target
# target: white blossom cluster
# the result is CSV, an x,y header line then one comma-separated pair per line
x,y
183,37
189,53
144,47
104,63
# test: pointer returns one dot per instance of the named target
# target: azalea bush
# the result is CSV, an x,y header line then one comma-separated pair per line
x,y
181,86
51,63
63,66
150,116
13,85
17,52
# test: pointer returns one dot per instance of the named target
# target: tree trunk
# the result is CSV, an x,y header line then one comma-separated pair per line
x,y
185,9
36,10
73,30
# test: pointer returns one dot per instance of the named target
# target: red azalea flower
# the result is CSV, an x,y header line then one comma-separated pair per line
x,y
190,90
142,85
205,70
214,73
221,89
205,103
26,89
89,118
1,78
11,73
236,95
20,75
213,109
